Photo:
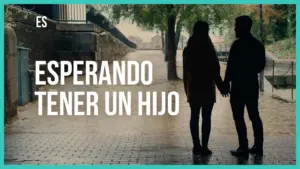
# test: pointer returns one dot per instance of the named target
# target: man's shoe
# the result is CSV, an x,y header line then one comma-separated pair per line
x,y
206,151
197,150
240,153
256,150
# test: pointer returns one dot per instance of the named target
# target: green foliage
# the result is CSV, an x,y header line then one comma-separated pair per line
x,y
282,24
283,49
279,21
150,17
154,17
291,16
217,16
279,25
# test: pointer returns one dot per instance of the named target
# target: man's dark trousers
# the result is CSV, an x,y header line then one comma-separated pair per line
x,y
238,107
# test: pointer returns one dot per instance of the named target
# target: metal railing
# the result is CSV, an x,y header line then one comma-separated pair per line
x,y
281,74
222,51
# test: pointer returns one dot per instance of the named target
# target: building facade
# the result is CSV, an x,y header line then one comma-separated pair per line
x,y
70,13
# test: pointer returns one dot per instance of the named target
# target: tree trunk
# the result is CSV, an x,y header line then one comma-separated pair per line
x,y
163,42
172,72
261,75
177,36
166,46
178,32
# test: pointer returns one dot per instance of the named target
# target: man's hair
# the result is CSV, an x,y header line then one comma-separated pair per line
x,y
244,21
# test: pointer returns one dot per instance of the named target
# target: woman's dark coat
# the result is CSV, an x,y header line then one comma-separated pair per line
x,y
201,71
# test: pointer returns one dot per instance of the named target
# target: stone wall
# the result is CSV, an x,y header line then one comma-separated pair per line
x,y
39,40
155,43
62,43
97,45
108,44
10,73
94,16
56,42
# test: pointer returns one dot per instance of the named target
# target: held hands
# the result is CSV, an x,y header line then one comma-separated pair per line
x,y
225,90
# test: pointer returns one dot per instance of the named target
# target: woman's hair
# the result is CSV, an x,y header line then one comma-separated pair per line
x,y
201,27
200,49
200,35
200,55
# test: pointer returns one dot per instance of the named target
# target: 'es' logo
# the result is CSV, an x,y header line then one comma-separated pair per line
x,y
41,22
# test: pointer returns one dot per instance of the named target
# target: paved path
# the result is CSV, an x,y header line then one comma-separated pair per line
x,y
103,139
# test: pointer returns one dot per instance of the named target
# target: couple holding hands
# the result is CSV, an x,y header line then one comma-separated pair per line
x,y
201,73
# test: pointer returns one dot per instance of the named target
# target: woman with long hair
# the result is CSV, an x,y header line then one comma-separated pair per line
x,y
201,74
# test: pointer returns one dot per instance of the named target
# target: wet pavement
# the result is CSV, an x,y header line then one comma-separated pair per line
x,y
134,139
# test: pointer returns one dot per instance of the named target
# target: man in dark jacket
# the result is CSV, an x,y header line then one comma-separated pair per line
x,y
246,60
